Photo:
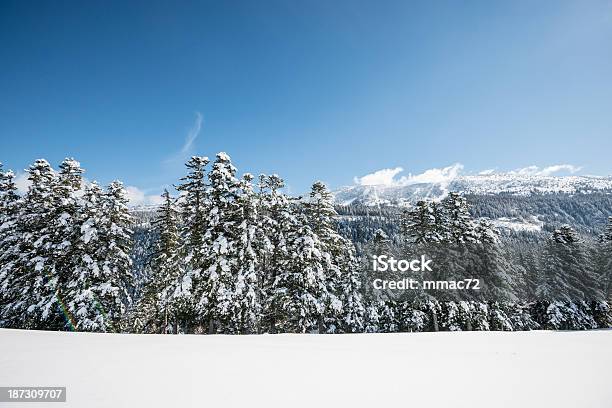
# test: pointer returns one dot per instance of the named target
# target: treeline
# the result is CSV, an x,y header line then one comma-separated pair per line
x,y
64,251
586,213
237,255
565,284
231,256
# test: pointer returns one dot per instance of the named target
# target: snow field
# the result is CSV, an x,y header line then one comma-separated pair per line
x,y
446,369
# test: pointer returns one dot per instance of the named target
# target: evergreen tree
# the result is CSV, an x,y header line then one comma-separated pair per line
x,y
568,272
116,280
419,224
66,228
194,205
567,284
34,281
605,261
457,219
87,282
154,308
321,216
9,241
491,265
246,305
277,219
226,295
350,295
299,290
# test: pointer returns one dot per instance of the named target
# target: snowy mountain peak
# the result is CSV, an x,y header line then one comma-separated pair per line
x,y
488,183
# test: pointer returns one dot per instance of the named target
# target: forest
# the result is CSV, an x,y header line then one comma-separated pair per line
x,y
236,255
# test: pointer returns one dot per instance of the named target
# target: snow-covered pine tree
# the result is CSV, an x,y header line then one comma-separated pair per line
x,y
448,247
568,283
388,316
34,280
601,308
247,302
9,240
8,196
457,219
277,219
321,215
217,292
87,281
350,292
116,278
491,265
605,261
66,227
299,291
154,308
194,205
419,224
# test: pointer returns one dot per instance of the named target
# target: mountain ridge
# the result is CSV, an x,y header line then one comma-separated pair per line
x,y
483,184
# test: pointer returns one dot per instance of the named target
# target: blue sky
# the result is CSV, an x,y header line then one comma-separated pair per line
x,y
309,90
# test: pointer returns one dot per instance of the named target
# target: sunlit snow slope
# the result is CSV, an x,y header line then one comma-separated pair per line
x,y
477,369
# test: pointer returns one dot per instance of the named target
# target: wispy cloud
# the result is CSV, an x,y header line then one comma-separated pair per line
x,y
193,134
188,147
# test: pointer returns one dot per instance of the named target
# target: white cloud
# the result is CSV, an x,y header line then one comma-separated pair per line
x,y
387,177
138,197
441,176
22,183
383,177
546,171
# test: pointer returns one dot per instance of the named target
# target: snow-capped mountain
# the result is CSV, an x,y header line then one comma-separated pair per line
x,y
486,184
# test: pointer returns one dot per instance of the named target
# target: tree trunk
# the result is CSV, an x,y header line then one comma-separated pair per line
x,y
435,320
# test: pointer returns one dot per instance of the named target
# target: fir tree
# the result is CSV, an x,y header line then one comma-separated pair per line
x,y
9,241
116,278
457,219
87,282
247,293
299,290
66,227
155,306
194,205
34,281
277,218
567,283
321,216
217,292
605,261
419,224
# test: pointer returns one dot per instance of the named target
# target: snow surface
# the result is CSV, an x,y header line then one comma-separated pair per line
x,y
450,369
515,224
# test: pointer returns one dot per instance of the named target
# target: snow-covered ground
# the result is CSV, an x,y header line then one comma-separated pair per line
x,y
476,369
515,224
